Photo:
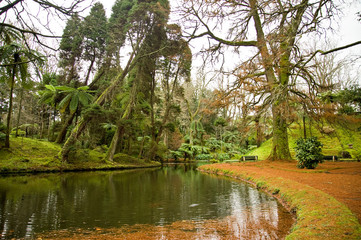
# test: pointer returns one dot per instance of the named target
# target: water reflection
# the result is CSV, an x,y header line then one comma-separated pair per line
x,y
162,197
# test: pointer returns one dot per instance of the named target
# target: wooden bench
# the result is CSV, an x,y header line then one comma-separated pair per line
x,y
329,158
249,158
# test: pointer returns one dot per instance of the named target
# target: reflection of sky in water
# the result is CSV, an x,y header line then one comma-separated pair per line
x,y
254,210
158,197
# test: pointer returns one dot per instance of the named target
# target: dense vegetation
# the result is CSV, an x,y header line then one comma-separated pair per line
x,y
124,86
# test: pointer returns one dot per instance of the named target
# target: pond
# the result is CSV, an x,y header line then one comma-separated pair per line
x,y
40,204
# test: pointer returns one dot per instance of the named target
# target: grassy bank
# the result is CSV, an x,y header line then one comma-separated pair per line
x,y
30,155
334,142
319,215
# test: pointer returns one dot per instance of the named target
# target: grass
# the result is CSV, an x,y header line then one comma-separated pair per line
x,y
333,143
31,155
319,216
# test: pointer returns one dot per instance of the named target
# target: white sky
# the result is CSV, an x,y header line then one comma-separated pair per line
x,y
347,30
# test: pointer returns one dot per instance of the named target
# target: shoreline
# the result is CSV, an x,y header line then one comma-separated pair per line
x,y
318,215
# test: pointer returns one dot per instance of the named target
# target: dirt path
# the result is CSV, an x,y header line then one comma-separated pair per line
x,y
338,179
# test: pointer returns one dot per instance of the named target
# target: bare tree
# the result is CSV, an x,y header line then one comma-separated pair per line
x,y
35,17
272,30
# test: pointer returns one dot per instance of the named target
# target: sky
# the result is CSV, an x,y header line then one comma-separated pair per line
x,y
347,29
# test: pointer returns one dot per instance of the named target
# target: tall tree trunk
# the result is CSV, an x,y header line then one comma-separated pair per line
x,y
42,120
154,144
126,115
89,71
19,112
63,154
280,148
258,132
141,147
75,133
8,123
49,126
304,127
52,125
113,145
64,129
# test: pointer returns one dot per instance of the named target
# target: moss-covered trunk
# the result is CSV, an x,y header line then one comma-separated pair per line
x,y
10,109
78,129
280,147
64,128
113,145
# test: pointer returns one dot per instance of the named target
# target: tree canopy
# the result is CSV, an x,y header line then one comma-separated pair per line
x,y
126,83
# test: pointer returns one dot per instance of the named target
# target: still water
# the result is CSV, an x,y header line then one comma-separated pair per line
x,y
40,203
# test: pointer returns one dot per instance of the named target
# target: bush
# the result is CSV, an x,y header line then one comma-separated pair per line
x,y
344,154
125,159
2,136
222,156
308,152
357,155
203,156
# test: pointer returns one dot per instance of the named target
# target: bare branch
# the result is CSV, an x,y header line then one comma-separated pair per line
x,y
339,48
27,31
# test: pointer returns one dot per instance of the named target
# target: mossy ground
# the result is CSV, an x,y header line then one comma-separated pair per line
x,y
333,142
31,155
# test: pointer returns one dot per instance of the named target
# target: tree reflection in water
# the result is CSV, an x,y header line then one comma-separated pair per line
x,y
168,201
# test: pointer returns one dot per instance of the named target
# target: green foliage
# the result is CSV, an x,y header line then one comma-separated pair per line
x,y
71,41
175,154
357,155
21,133
95,33
203,156
74,97
161,152
308,152
2,133
30,155
126,159
220,122
192,150
222,156
213,144
80,156
349,99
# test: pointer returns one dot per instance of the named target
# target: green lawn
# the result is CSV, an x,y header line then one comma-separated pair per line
x,y
333,143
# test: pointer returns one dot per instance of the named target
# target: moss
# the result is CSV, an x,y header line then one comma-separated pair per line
x,y
30,155
332,143
126,159
260,184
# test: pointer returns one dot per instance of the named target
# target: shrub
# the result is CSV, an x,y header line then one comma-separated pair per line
x,y
175,154
2,136
344,154
357,155
203,156
125,159
308,152
222,156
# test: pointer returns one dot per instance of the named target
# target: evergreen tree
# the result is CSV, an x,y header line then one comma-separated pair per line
x,y
95,35
71,49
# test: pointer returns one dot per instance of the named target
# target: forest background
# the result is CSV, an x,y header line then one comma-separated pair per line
x,y
140,83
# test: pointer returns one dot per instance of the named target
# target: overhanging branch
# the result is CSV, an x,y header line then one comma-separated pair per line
x,y
339,48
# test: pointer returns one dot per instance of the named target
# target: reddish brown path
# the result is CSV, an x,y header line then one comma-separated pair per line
x,y
341,180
